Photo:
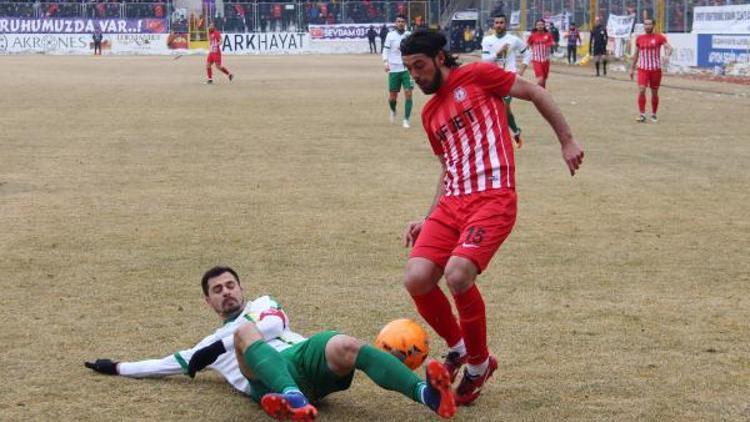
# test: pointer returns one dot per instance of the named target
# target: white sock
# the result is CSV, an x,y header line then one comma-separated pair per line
x,y
459,347
477,370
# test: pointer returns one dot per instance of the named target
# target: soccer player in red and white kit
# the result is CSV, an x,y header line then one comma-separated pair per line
x,y
648,59
474,208
540,41
214,54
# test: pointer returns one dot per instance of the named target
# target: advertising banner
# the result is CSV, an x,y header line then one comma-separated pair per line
x,y
561,21
138,43
722,49
620,26
684,52
734,19
515,19
46,43
345,31
340,46
81,26
265,43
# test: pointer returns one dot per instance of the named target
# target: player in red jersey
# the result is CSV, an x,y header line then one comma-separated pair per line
x,y
214,54
648,60
474,208
540,42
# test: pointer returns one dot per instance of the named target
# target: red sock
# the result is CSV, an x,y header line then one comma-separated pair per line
x,y
224,69
642,102
436,310
210,73
471,312
654,102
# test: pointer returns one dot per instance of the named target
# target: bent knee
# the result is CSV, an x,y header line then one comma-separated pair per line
x,y
460,278
420,277
347,345
246,335
341,353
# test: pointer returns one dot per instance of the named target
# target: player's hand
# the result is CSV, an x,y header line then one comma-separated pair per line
x,y
205,356
387,68
631,75
573,155
103,366
412,232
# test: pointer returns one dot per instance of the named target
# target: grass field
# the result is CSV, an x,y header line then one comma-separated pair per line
x,y
620,295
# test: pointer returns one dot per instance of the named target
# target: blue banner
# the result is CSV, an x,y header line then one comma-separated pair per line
x,y
721,49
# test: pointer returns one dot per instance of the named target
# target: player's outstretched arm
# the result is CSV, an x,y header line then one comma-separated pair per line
x,y
572,152
414,227
635,62
174,364
103,366
487,55
667,53
386,52
526,52
205,356
140,369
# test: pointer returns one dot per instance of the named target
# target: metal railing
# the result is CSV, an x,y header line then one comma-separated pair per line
x,y
238,16
297,15
42,10
678,14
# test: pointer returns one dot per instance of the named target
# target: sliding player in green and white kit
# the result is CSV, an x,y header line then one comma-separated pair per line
x,y
259,355
501,47
398,76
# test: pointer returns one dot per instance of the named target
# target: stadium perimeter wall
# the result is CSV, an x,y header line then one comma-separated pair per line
x,y
691,50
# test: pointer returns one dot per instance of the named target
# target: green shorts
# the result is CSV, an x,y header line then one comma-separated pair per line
x,y
307,364
396,79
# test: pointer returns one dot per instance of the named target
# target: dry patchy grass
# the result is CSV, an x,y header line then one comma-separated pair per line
x,y
620,295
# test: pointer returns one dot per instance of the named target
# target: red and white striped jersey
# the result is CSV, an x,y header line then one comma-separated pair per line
x,y
467,126
649,51
214,40
541,46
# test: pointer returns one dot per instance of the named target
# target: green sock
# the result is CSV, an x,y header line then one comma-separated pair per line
x,y
269,367
512,122
388,372
392,105
407,108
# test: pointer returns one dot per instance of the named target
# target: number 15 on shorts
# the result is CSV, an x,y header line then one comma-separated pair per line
x,y
473,238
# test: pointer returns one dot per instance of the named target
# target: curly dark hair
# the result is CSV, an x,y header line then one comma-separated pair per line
x,y
428,42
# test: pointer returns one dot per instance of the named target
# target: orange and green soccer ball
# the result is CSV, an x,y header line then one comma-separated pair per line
x,y
406,340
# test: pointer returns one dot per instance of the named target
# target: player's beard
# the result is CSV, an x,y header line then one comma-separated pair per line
x,y
437,81
230,306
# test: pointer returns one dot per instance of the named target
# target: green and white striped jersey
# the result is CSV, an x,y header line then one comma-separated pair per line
x,y
270,320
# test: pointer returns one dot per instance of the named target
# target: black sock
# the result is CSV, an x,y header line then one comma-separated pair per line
x,y
605,68
597,68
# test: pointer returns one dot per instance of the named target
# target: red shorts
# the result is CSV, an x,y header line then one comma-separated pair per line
x,y
470,226
214,58
650,78
541,69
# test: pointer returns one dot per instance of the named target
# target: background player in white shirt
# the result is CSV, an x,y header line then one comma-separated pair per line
x,y
397,74
502,48
260,356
